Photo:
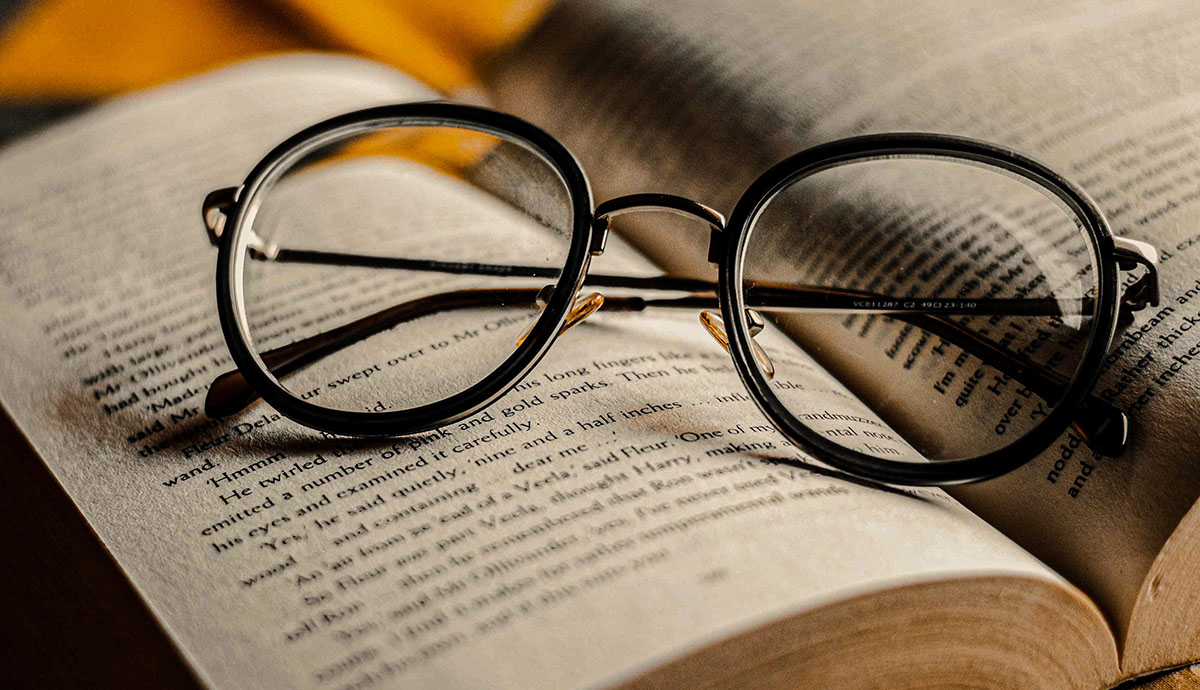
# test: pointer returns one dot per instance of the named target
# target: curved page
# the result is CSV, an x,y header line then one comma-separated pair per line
x,y
623,505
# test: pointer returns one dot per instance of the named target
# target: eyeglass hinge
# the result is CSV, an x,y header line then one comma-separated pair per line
x,y
1131,254
216,209
599,235
716,245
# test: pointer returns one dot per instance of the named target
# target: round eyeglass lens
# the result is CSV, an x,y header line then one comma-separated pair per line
x,y
397,266
919,309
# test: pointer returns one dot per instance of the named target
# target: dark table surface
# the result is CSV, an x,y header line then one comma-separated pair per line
x,y
70,618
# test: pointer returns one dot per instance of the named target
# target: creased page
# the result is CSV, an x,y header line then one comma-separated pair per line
x,y
621,506
687,98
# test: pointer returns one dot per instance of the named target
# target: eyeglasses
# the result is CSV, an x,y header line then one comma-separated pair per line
x,y
911,308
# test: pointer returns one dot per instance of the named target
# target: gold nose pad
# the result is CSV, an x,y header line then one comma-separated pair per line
x,y
715,326
584,306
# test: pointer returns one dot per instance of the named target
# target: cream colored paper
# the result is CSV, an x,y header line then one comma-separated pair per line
x,y
697,99
555,541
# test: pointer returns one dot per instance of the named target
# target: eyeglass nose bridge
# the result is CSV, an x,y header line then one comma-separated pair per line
x,y
682,206
669,203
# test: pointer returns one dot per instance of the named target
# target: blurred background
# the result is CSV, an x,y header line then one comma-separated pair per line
x,y
58,56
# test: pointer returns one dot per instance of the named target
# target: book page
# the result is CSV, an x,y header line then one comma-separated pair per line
x,y
687,98
621,506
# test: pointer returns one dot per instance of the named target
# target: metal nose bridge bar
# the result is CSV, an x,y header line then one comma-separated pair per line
x,y
669,203
687,208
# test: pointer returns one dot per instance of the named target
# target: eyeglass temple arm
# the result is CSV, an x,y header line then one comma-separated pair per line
x,y
1101,425
1130,254
231,393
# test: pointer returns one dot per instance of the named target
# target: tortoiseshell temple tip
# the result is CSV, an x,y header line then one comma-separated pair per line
x,y
229,394
1104,428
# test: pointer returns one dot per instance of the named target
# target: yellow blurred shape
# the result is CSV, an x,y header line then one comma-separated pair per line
x,y
441,42
91,48
88,48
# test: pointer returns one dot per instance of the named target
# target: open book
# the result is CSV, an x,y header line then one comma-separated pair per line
x,y
625,516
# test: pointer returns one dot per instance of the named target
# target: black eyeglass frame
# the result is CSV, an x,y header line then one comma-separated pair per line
x,y
962,471
232,255
727,251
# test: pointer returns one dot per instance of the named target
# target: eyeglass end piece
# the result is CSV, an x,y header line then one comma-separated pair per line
x,y
1130,254
215,210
